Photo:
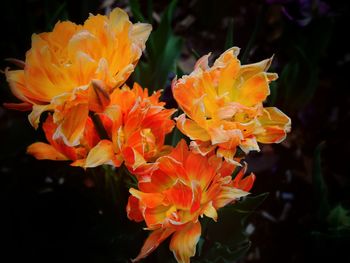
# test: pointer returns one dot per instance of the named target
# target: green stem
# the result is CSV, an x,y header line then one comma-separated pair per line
x,y
257,27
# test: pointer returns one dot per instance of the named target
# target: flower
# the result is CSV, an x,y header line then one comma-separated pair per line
x,y
223,106
136,124
57,149
184,186
73,69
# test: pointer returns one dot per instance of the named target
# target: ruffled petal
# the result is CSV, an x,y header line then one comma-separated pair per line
x,y
44,151
72,127
140,33
227,195
152,242
183,242
98,96
150,200
210,211
255,90
133,209
37,110
275,126
102,153
191,129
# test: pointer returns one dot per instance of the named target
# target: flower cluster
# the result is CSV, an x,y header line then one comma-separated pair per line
x,y
78,73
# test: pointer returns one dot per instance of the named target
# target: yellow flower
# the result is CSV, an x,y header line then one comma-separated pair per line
x,y
73,69
223,106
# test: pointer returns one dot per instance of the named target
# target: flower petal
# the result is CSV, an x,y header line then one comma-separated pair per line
x,y
133,158
24,106
140,33
150,200
275,126
172,167
199,170
72,127
180,195
255,90
37,110
133,209
219,135
183,243
210,211
191,129
153,241
44,151
98,96
102,153
202,148
227,195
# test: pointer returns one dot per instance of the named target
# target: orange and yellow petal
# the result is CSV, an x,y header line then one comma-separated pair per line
x,y
255,90
150,200
191,129
152,242
181,195
158,216
275,125
227,195
133,209
102,153
44,151
183,242
49,128
72,127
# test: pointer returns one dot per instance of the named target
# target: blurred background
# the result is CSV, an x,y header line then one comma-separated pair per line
x,y
51,212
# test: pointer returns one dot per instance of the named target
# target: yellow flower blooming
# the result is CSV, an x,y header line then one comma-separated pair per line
x,y
223,106
73,69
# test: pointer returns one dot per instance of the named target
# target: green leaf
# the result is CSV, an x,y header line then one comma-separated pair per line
x,y
166,63
271,100
136,10
250,203
150,11
60,13
310,88
320,190
160,36
163,49
258,23
229,35
339,217
195,53
289,79
226,237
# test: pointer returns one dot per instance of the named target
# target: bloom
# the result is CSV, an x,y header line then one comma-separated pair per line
x,y
57,150
73,69
136,124
184,186
223,106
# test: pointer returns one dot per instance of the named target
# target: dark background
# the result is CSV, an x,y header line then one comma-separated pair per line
x,y
51,212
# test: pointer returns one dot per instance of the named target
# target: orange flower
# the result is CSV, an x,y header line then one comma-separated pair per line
x,y
223,106
184,186
136,124
57,149
73,69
